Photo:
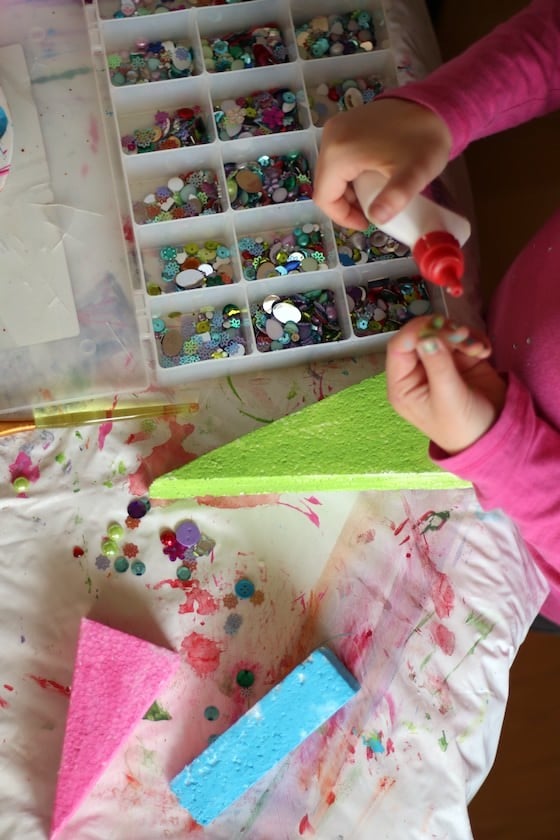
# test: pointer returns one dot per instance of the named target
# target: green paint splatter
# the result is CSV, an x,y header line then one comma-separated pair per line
x,y
108,483
443,742
157,712
426,660
78,434
480,623
232,387
436,520
121,468
254,417
292,392
60,458
148,425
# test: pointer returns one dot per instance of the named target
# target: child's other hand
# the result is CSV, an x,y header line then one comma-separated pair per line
x,y
405,142
439,380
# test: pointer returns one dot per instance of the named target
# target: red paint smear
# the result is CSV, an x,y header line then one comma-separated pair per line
x,y
399,528
163,458
138,438
366,537
234,502
8,687
94,134
369,753
305,825
444,638
104,430
3,703
202,654
197,600
354,647
22,467
385,784
330,797
389,747
442,595
51,684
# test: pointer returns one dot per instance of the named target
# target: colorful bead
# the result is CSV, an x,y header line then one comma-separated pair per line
x,y
138,568
194,193
121,564
260,113
356,247
138,508
259,47
327,99
150,62
190,266
334,35
201,335
382,306
299,320
288,251
269,180
183,127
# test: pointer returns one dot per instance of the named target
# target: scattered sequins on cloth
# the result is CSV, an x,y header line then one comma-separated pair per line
x,y
207,333
185,545
274,179
185,195
183,127
258,47
327,99
278,253
385,305
192,266
356,247
150,61
334,35
260,113
299,320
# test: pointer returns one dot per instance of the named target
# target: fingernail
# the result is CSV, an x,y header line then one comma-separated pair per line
x,y
458,337
429,346
379,213
437,322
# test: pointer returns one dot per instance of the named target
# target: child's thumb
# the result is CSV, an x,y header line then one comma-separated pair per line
x,y
399,190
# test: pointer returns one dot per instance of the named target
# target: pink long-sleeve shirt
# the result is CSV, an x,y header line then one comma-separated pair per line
x,y
507,78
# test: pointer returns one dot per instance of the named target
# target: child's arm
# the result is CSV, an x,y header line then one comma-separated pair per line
x,y
510,76
484,428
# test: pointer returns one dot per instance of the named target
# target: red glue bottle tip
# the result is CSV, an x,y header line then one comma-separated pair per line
x,y
440,260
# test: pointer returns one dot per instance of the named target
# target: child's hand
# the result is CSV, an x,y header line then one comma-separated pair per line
x,y
439,380
406,142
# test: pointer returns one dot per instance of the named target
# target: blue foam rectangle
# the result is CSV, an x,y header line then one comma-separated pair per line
x,y
306,698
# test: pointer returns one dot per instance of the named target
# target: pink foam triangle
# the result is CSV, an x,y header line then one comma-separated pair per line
x,y
113,671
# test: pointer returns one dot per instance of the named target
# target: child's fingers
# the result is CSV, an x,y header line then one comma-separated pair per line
x,y
468,341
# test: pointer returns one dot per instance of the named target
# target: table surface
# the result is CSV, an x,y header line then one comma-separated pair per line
x,y
424,597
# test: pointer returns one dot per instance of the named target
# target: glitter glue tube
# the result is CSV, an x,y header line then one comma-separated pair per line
x,y
432,232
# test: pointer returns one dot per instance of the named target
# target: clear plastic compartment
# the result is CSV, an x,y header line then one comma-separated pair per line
x,y
312,21
234,229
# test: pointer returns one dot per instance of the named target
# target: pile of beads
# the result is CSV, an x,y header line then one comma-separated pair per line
x,y
183,127
192,266
150,61
268,180
326,100
259,47
262,112
332,35
186,543
208,333
290,251
184,196
385,305
356,247
296,321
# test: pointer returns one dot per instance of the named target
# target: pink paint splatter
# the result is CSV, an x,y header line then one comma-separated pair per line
x,y
443,638
366,537
236,502
104,430
442,594
202,654
22,467
84,171
3,703
390,747
167,456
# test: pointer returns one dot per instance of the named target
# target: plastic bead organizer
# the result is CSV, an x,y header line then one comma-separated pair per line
x,y
215,114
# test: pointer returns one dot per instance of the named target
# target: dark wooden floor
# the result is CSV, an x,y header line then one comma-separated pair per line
x,y
515,178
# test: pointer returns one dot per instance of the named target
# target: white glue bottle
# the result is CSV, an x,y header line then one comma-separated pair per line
x,y
432,232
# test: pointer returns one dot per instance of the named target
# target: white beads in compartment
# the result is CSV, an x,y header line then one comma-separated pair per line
x,y
241,270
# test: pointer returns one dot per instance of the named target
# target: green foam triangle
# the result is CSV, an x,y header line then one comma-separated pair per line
x,y
352,440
